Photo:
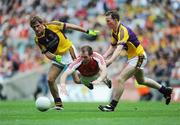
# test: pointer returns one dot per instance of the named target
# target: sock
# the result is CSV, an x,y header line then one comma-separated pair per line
x,y
58,102
162,90
113,103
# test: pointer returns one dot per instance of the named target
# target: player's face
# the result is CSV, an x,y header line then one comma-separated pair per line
x,y
38,28
85,56
110,22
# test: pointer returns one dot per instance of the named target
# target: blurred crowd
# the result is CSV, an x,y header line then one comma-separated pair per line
x,y
156,22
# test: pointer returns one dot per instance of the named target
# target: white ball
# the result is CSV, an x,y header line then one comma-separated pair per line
x,y
43,103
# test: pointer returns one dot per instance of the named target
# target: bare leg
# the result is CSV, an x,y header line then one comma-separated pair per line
x,y
139,75
166,91
118,87
76,78
53,73
125,74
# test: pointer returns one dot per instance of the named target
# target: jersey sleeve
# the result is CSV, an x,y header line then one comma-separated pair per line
x,y
123,36
42,48
75,64
57,25
99,58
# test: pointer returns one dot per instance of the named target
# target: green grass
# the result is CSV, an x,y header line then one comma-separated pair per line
x,y
127,113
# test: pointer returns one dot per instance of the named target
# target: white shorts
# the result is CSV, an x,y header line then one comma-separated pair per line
x,y
138,61
66,58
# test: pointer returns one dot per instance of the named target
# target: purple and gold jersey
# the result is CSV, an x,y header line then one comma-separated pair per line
x,y
126,37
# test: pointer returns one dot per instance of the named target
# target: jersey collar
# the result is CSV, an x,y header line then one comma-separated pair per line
x,y
117,29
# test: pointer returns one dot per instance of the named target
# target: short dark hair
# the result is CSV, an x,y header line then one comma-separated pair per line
x,y
114,14
87,49
34,20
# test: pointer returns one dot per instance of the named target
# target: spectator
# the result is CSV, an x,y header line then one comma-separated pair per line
x,y
158,19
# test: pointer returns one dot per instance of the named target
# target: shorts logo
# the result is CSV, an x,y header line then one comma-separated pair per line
x,y
140,61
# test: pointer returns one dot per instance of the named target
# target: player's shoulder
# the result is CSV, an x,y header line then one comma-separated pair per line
x,y
96,54
127,27
76,62
99,58
122,25
55,22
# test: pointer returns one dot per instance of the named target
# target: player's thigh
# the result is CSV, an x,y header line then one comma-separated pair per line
x,y
54,71
139,62
87,80
76,78
126,73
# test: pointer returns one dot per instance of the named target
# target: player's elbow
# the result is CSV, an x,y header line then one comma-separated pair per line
x,y
63,77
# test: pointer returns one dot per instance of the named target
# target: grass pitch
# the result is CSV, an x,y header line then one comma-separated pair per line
x,y
127,113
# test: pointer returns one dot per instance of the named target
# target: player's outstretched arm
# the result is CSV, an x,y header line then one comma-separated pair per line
x,y
81,29
109,51
114,55
63,81
102,67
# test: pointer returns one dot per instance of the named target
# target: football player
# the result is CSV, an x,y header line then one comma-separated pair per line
x,y
124,38
54,44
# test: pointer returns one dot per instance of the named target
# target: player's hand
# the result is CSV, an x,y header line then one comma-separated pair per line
x,y
58,58
63,89
92,32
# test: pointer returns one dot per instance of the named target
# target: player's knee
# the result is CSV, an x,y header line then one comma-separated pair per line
x,y
77,81
141,81
121,81
51,80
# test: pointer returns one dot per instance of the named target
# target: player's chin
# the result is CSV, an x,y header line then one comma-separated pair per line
x,y
110,26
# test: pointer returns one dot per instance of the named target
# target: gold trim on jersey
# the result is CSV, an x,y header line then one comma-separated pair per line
x,y
122,37
63,43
